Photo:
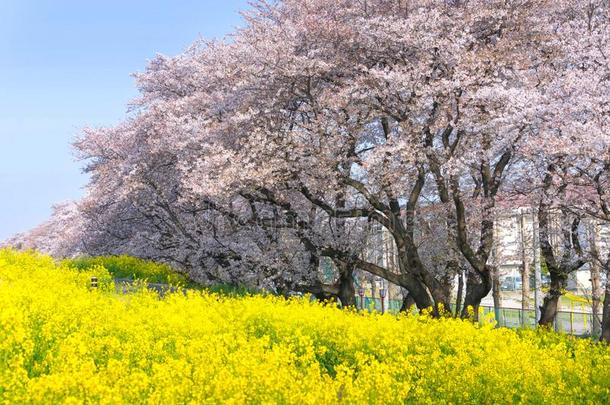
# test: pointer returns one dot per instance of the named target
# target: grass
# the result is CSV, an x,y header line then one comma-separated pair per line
x,y
133,268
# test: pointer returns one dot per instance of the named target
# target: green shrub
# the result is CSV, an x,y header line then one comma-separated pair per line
x,y
131,268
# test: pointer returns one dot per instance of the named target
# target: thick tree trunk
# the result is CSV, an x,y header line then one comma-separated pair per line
x,y
478,285
558,269
416,287
420,295
421,292
428,291
605,335
549,308
324,296
442,290
407,302
347,291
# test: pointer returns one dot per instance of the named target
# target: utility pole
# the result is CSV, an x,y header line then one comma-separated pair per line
x,y
537,273
525,269
495,279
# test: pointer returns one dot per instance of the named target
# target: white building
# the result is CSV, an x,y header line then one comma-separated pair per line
x,y
515,243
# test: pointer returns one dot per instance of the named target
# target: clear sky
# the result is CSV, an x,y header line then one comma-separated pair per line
x,y
65,64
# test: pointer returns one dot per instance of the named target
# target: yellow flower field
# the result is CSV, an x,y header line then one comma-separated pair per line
x,y
60,341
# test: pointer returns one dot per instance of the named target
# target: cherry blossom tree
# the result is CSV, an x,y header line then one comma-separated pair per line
x,y
368,103
571,153
255,158
58,236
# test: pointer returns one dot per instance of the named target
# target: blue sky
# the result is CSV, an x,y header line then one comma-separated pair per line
x,y
67,64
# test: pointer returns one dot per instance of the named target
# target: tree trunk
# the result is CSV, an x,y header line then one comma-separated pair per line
x,y
525,286
559,269
525,268
347,291
478,285
420,292
324,296
420,296
407,302
605,335
416,287
549,308
442,290
596,294
460,293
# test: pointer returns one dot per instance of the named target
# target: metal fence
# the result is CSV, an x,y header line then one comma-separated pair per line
x,y
571,322
374,304
577,323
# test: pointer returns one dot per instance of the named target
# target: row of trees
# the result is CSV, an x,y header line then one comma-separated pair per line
x,y
248,160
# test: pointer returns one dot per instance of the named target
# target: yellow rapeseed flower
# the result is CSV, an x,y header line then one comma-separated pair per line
x,y
63,342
